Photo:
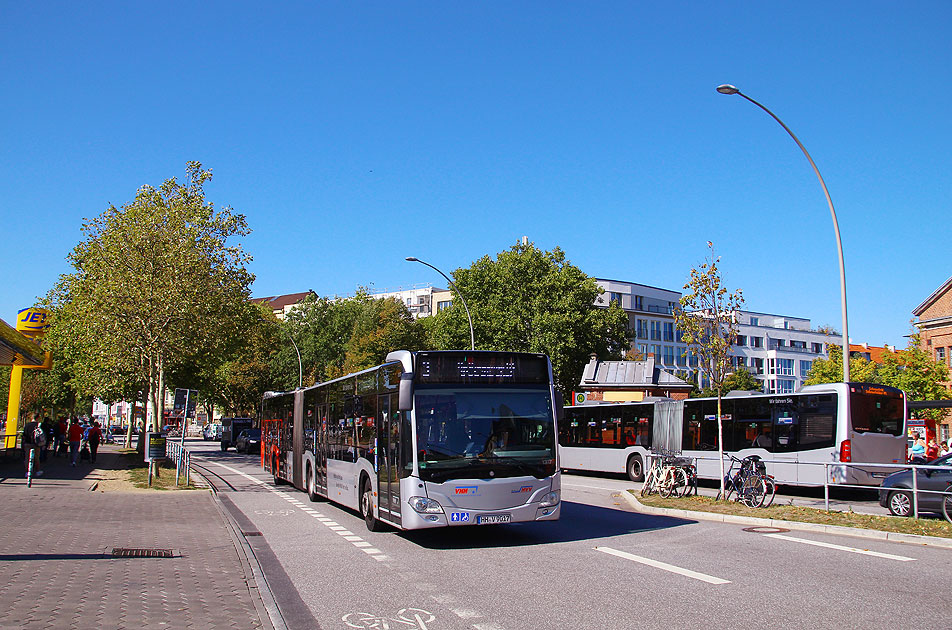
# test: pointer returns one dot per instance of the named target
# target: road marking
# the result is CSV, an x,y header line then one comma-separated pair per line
x,y
663,565
352,538
345,533
362,544
865,552
370,551
579,485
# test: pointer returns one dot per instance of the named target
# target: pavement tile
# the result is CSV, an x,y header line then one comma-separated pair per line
x,y
55,546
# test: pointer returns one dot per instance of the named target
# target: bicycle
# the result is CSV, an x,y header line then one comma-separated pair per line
x,y
667,477
747,483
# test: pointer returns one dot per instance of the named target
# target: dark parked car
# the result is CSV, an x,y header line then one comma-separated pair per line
x,y
896,494
249,441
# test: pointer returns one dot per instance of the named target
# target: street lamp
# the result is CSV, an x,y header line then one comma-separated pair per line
x,y
472,337
300,367
730,89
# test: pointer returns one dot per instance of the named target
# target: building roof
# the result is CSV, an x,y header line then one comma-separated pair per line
x,y
946,286
278,302
629,374
876,353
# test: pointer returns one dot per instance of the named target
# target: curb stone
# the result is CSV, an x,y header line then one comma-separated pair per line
x,y
857,532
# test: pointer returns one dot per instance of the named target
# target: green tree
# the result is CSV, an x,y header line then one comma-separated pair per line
x,y
914,371
529,300
830,369
381,326
157,284
706,319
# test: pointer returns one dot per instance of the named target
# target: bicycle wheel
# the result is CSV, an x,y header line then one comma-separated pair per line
x,y
682,483
754,491
947,504
648,486
772,492
666,485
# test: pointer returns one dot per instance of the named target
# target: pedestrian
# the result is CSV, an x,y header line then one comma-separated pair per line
x,y
59,436
47,427
93,437
33,441
932,451
75,435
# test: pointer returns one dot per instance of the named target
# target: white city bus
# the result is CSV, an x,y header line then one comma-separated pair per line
x,y
428,439
830,423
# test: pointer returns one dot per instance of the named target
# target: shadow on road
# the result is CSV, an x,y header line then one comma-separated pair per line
x,y
579,521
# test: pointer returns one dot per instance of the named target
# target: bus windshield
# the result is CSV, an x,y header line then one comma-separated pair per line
x,y
465,432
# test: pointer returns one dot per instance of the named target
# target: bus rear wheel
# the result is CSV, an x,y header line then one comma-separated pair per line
x,y
636,468
311,486
367,507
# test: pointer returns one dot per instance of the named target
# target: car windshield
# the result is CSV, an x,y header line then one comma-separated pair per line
x,y
473,432
253,434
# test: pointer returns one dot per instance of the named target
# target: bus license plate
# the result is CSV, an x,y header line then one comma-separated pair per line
x,y
489,519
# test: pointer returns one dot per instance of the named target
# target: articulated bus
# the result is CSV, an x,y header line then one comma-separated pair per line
x,y
831,423
428,439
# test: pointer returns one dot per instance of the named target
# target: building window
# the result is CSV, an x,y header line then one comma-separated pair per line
x,y
940,354
781,342
817,348
785,367
756,342
443,305
642,328
755,321
784,386
643,349
741,340
669,331
615,297
655,330
639,303
805,368
668,355
801,345
682,357
756,366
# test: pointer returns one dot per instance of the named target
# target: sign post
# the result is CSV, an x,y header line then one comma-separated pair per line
x,y
184,407
154,450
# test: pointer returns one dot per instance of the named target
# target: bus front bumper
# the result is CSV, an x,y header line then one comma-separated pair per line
x,y
452,517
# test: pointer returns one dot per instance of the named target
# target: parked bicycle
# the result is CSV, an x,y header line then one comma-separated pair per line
x,y
747,481
669,476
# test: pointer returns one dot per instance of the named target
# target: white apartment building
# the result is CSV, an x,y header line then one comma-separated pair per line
x,y
422,300
778,350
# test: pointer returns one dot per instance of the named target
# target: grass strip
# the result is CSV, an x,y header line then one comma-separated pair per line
x,y
929,525
138,471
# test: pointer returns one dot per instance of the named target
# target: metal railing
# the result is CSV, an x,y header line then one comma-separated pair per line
x,y
180,455
832,470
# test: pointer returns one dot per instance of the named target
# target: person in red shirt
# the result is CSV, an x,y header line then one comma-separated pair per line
x,y
932,451
75,436
94,437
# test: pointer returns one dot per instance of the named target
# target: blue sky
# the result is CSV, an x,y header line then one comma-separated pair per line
x,y
352,135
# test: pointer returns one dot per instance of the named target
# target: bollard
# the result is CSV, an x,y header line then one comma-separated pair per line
x,y
915,492
826,486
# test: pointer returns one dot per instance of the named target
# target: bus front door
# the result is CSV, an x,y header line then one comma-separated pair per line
x,y
388,448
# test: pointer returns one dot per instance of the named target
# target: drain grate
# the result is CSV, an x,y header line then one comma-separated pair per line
x,y
766,530
123,552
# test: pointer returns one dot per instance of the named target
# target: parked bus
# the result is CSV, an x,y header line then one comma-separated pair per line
x,y
428,439
834,422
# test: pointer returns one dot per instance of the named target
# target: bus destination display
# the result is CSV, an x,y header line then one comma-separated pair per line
x,y
481,368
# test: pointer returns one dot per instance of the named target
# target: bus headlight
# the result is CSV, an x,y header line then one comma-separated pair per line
x,y
550,499
424,505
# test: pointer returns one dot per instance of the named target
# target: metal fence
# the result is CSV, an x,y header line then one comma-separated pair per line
x,y
834,470
179,454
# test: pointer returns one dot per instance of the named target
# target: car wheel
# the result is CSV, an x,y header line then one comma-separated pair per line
x,y
636,468
900,503
367,507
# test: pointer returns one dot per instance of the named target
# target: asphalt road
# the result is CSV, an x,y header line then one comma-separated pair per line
x,y
601,566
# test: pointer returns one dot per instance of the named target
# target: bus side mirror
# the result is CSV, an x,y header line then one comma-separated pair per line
x,y
406,392
559,406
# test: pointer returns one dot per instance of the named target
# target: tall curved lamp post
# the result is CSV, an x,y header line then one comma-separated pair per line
x,y
300,367
730,89
472,337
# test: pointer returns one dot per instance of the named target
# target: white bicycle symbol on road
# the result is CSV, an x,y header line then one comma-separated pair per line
x,y
405,619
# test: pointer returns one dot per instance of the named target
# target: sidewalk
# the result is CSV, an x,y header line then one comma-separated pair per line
x,y
57,542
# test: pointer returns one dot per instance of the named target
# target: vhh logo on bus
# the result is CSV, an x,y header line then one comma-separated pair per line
x,y
467,490
522,489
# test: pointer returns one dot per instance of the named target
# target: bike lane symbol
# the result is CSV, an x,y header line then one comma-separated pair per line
x,y
405,619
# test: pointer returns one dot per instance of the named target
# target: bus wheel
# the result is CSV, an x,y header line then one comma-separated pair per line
x,y
311,486
367,507
636,468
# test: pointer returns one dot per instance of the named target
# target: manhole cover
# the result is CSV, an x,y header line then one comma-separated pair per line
x,y
123,552
766,530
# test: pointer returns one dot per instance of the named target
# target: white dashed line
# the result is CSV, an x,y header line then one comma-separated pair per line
x,y
465,613
865,552
351,538
663,566
362,544
371,551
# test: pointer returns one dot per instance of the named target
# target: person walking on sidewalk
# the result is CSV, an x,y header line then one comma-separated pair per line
x,y
33,441
59,436
75,436
48,434
93,437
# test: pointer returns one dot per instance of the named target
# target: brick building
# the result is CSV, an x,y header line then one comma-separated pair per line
x,y
934,321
